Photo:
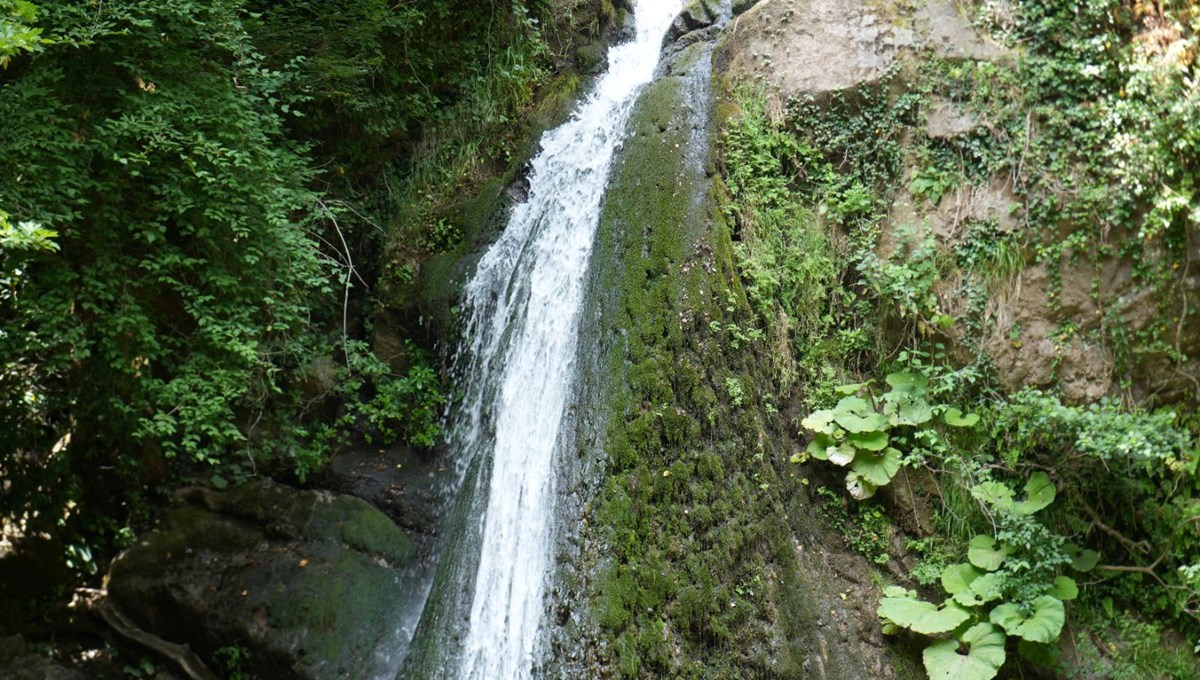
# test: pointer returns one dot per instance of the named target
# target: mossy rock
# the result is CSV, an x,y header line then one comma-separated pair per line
x,y
308,582
694,569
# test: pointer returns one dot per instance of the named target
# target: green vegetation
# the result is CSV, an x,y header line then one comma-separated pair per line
x,y
212,211
1085,126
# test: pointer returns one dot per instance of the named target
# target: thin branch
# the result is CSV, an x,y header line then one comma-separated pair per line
x,y
97,601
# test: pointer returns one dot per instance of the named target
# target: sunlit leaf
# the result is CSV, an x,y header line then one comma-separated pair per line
x,y
877,468
986,553
922,617
955,418
982,661
1043,624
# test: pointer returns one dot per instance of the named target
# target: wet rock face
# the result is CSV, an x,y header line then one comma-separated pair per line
x,y
307,582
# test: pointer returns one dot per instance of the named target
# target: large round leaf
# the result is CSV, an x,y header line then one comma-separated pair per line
x,y
986,553
1082,560
1064,588
859,487
957,578
955,418
1043,624
915,412
984,589
921,616
996,494
984,657
818,448
877,468
1039,492
856,415
840,455
819,421
907,382
871,441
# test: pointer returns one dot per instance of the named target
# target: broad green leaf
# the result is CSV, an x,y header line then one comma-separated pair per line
x,y
859,487
1064,588
871,441
818,447
856,415
955,418
1039,492
877,468
984,589
995,494
840,455
1082,560
819,421
985,553
1043,624
984,657
917,412
848,389
899,591
903,381
957,578
922,617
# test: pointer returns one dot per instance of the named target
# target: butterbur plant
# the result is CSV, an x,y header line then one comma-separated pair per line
x,y
874,437
1006,589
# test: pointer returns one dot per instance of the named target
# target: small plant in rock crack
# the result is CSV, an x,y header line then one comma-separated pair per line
x,y
874,437
1006,589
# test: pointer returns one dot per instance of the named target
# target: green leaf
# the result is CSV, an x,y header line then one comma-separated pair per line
x,y
957,578
871,441
1039,493
903,381
878,469
955,418
1082,560
984,657
922,617
856,415
1064,588
840,455
985,553
819,446
916,412
819,421
995,494
859,487
1042,625
849,389
986,588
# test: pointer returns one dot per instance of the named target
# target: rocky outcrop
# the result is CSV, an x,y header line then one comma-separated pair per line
x,y
309,583
18,662
797,47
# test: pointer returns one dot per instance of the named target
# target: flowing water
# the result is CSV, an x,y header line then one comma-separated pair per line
x,y
522,309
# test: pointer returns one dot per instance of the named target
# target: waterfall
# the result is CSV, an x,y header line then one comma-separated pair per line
x,y
522,310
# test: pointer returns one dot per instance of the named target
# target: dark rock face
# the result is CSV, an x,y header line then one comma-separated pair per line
x,y
17,662
405,485
308,582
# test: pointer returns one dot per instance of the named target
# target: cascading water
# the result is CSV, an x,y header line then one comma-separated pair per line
x,y
523,314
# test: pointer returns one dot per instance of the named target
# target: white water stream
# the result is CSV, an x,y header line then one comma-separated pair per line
x,y
523,315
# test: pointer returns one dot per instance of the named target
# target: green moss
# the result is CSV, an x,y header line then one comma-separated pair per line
x,y
698,575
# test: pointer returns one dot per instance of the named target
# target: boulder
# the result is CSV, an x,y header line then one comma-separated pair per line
x,y
308,583
18,662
